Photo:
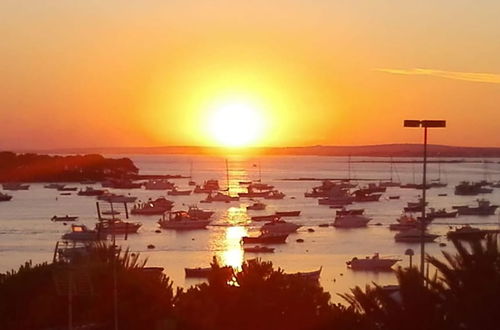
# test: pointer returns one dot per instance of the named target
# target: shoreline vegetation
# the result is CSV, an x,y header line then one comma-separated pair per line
x,y
463,294
76,168
382,150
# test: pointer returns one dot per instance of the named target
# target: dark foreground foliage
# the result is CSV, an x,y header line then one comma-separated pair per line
x,y
465,294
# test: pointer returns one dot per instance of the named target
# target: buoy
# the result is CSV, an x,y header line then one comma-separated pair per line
x,y
310,230
151,246
300,240
378,224
157,231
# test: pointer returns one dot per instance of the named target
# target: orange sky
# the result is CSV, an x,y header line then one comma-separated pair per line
x,y
147,73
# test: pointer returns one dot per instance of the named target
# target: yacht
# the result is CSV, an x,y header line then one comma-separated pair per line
x,y
466,232
82,233
371,263
153,207
158,185
15,186
351,221
117,226
484,207
220,197
198,213
414,235
279,226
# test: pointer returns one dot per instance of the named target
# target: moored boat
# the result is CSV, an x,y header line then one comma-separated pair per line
x,y
65,218
198,213
257,206
466,232
90,191
54,185
372,263
117,226
344,211
275,194
182,220
114,198
484,207
15,186
414,236
271,217
153,207
351,221
265,238
287,213
175,192
161,184
313,276
259,249
279,227
82,233
5,197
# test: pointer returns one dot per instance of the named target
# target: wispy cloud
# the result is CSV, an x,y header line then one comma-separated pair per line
x,y
491,78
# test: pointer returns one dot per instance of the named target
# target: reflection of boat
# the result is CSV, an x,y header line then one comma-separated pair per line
x,y
351,221
89,191
114,198
257,206
484,208
279,227
259,249
198,213
157,207
5,197
372,263
158,185
182,220
287,213
466,232
64,218
15,186
265,238
271,217
414,235
220,197
313,276
275,194
117,226
175,192
82,233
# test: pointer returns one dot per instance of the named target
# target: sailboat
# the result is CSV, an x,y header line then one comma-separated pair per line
x,y
390,183
191,182
437,182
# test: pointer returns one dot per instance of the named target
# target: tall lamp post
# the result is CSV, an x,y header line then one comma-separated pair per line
x,y
425,124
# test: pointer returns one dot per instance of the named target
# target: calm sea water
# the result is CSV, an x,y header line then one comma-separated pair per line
x,y
26,231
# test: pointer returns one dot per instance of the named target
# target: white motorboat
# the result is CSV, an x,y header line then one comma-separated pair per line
x,y
15,186
371,263
158,185
351,221
279,227
82,233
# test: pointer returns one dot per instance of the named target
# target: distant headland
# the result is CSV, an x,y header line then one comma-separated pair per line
x,y
381,150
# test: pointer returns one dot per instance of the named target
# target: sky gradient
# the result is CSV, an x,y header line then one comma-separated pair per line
x,y
148,73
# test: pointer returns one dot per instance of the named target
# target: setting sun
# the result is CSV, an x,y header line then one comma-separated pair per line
x,y
235,124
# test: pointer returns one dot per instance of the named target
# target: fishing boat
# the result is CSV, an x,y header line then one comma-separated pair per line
x,y
54,185
351,221
271,217
90,191
414,236
257,206
344,211
203,272
337,196
82,233
466,188
466,232
275,194
198,213
182,220
441,213
312,276
175,192
405,222
362,196
15,186
287,213
158,185
484,207
65,218
265,238
374,262
279,227
153,207
64,188
114,198
259,249
5,197
117,226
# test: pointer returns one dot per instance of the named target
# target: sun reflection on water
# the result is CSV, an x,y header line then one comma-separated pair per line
x,y
232,253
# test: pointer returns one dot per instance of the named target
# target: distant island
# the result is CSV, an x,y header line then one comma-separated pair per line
x,y
45,168
382,150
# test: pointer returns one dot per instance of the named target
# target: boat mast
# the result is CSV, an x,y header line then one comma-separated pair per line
x,y
349,168
227,174
260,172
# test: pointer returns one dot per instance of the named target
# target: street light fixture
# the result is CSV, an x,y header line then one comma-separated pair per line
x,y
425,124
